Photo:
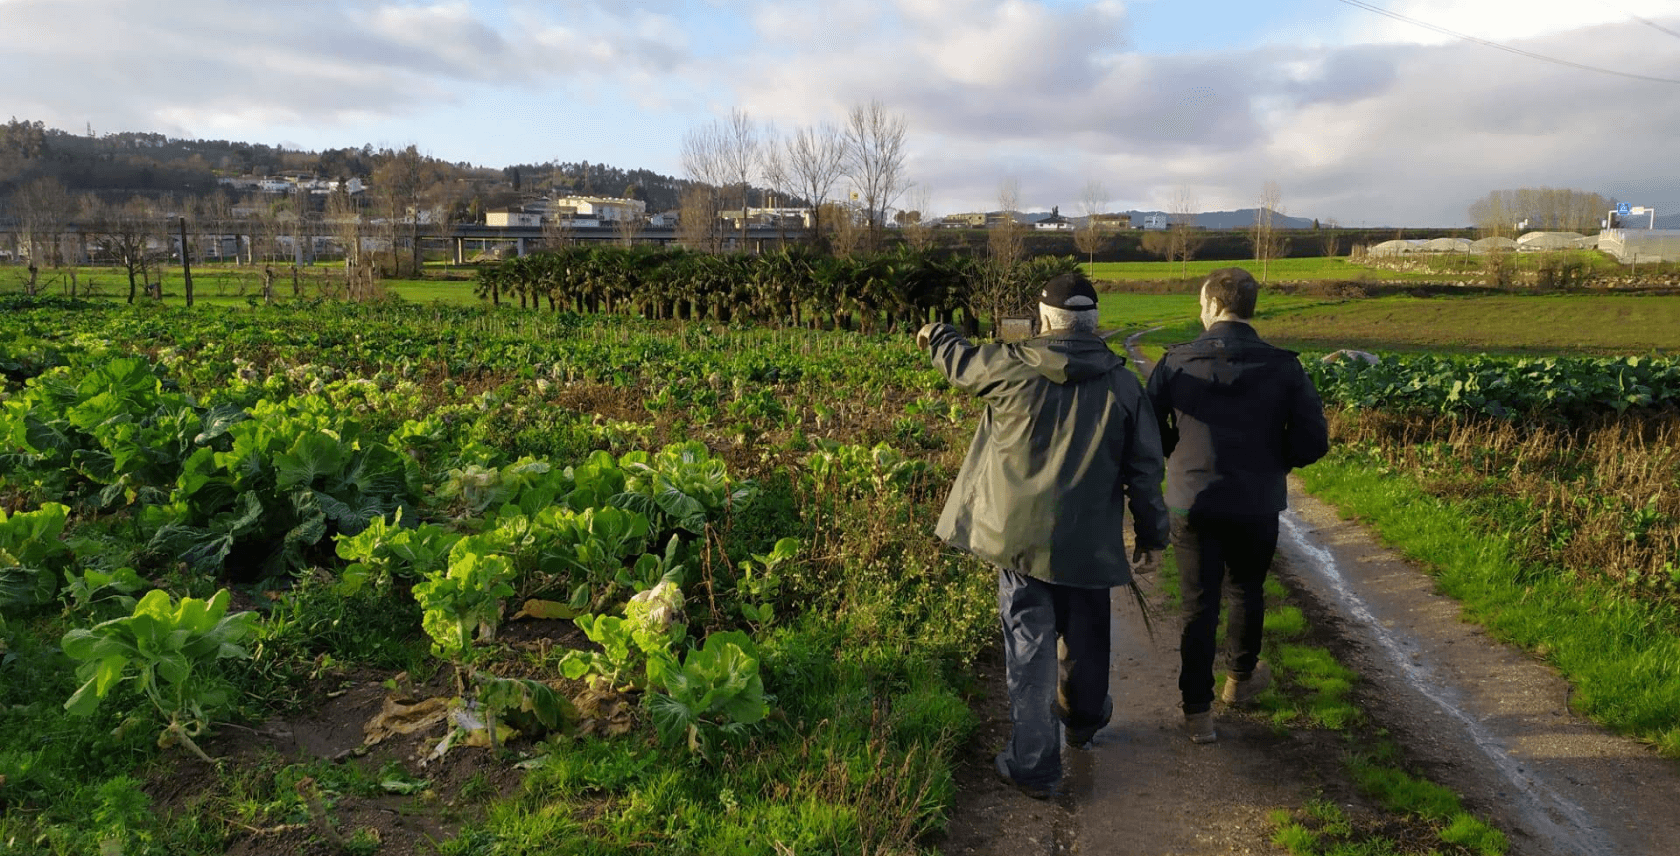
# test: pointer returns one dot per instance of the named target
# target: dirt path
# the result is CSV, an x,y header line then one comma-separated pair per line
x,y
1483,717
1475,715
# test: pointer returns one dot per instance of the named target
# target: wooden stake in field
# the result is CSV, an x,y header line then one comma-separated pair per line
x,y
186,265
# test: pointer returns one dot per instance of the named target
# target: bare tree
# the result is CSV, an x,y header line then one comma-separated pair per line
x,y
1544,208
918,222
344,218
874,144
697,217
815,158
215,218
1268,244
400,183
705,164
1184,239
43,208
1332,241
1000,289
1092,236
264,220
847,232
130,235
558,225
741,154
629,226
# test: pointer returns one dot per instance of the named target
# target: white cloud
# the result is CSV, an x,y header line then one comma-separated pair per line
x,y
1366,119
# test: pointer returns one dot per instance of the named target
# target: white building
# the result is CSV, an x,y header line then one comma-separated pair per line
x,y
601,208
512,217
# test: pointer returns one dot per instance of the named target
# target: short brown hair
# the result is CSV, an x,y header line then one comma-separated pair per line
x,y
1234,289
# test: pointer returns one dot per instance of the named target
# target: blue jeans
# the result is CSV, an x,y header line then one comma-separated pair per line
x,y
1212,550
1050,687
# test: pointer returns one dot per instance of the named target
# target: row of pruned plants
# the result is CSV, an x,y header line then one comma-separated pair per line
x,y
900,289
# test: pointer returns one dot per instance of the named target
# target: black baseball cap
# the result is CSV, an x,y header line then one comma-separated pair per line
x,y
1071,291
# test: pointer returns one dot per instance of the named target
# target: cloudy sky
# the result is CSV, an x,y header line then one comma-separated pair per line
x,y
1367,112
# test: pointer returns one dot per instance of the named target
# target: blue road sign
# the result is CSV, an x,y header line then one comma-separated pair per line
x,y
1624,208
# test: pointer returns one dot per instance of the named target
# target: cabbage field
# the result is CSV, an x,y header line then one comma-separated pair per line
x,y
320,577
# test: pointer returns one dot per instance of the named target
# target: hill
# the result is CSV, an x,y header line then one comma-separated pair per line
x,y
121,165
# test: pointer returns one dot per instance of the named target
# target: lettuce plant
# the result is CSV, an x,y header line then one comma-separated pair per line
x,y
169,649
31,556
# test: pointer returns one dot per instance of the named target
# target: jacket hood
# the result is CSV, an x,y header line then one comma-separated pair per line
x,y
1068,357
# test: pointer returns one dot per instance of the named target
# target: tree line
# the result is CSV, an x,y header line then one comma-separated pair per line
x,y
1506,213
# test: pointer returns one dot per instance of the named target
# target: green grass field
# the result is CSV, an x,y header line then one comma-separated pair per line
x,y
1551,324
1279,270
231,285
1607,324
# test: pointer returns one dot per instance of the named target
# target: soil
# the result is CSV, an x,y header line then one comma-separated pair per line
x,y
457,786
1480,717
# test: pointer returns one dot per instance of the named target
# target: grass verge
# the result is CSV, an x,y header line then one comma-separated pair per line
x,y
1621,654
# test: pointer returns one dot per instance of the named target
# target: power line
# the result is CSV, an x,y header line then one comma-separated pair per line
x,y
1655,26
1507,48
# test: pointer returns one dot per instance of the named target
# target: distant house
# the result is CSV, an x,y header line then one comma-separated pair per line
x,y
963,221
1055,222
1155,221
602,208
512,217
1110,221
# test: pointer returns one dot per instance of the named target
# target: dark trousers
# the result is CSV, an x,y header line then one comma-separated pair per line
x,y
1049,687
1212,550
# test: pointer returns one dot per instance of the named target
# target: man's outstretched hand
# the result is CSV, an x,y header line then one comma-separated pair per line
x,y
924,334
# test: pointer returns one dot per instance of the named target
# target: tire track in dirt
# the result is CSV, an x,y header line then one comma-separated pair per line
x,y
1482,717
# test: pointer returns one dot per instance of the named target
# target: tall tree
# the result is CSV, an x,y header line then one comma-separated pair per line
x,y
741,153
705,164
1091,236
43,208
874,141
400,184
1268,243
1001,288
815,158
1543,209
1184,239
697,218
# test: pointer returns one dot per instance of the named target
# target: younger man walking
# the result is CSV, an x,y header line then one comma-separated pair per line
x,y
1236,415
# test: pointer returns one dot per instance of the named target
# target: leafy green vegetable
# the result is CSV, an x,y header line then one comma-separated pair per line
x,y
170,647
31,554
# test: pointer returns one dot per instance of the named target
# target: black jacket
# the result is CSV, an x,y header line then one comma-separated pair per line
x,y
1066,444
1236,415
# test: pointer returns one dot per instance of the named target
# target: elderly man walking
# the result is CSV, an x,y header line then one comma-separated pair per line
x,y
1236,415
1066,442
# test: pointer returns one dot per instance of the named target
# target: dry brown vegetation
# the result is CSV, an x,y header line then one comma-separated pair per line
x,y
1597,500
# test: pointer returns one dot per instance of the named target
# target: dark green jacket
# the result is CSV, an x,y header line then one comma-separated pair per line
x,y
1066,442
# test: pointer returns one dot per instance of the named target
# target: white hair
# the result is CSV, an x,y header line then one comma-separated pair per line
x,y
1078,320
